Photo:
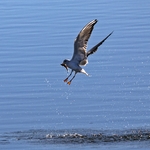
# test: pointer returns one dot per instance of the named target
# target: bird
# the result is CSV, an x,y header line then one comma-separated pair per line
x,y
80,55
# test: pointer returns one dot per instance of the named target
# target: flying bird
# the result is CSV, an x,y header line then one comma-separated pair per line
x,y
80,55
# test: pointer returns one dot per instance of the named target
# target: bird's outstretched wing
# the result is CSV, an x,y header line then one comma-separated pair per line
x,y
94,49
81,40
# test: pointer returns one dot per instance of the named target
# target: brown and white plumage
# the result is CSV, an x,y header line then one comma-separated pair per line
x,y
81,54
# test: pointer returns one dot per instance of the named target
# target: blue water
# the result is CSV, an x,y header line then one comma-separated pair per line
x,y
36,36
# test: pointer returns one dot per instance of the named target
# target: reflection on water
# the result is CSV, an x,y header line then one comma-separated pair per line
x,y
76,136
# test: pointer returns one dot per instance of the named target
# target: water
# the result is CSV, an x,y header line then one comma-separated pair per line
x,y
39,111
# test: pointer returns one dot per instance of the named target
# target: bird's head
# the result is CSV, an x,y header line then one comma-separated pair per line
x,y
64,64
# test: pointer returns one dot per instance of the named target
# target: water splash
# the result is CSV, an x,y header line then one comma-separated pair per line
x,y
78,136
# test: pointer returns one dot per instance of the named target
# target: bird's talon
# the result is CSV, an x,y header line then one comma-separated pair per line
x,y
66,80
69,83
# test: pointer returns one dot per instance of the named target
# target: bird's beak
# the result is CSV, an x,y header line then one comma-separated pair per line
x,y
64,65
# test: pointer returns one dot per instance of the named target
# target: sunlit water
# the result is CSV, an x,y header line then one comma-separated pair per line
x,y
110,109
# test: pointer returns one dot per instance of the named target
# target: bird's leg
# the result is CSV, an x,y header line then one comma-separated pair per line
x,y
72,78
68,76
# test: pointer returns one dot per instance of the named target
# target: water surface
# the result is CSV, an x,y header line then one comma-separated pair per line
x,y
36,37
